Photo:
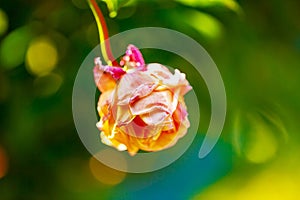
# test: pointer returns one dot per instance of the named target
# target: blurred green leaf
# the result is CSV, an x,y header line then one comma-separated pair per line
x,y
230,4
14,46
258,135
207,25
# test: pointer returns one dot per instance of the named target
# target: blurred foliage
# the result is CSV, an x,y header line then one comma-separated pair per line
x,y
256,46
230,4
114,5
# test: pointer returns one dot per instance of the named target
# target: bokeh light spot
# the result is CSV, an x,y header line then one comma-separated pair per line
x,y
263,146
210,26
48,84
271,184
3,163
276,182
41,57
256,135
106,174
3,22
13,47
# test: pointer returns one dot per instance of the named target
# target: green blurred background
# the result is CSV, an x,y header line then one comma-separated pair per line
x,y
256,46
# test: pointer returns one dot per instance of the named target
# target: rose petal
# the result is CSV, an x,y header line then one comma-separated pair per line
x,y
142,91
105,103
123,115
128,85
135,53
103,80
116,72
156,117
176,81
158,71
154,101
134,129
105,76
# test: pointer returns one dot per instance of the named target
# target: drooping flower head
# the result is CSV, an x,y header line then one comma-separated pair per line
x,y
141,106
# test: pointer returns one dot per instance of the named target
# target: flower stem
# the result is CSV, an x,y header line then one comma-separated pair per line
x,y
103,33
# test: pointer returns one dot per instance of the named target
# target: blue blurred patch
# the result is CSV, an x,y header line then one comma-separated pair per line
x,y
182,179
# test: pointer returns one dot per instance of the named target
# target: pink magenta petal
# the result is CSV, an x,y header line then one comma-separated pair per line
x,y
116,72
133,58
135,54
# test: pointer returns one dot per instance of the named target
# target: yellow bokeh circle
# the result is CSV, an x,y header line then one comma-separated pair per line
x,y
105,174
3,22
41,56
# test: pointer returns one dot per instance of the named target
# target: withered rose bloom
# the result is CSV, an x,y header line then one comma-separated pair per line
x,y
141,106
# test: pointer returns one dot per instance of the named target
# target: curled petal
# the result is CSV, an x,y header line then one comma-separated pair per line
x,y
105,102
155,117
176,81
135,54
103,80
155,101
123,115
105,76
128,85
142,91
159,72
116,72
139,129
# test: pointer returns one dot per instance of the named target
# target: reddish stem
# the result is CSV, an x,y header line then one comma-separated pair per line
x,y
105,33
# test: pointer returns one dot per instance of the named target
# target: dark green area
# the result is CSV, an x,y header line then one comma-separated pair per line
x,y
255,46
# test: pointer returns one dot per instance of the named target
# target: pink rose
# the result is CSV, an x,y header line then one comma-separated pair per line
x,y
141,105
